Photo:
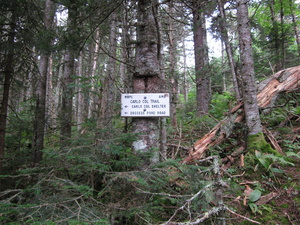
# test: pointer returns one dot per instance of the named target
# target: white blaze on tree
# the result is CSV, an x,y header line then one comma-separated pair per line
x,y
147,76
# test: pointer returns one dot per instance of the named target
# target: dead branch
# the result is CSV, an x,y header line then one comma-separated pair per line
x,y
187,203
266,198
273,140
218,195
284,81
234,213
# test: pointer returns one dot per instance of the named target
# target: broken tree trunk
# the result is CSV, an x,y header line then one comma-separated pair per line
x,y
284,81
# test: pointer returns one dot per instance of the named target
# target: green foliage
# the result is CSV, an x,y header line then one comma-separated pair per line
x,y
84,155
269,160
290,146
269,37
50,200
153,195
81,187
254,195
220,104
275,117
219,74
97,179
188,107
18,138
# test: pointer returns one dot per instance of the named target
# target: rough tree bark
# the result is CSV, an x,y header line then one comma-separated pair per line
x,y
201,59
66,113
108,99
185,82
173,62
8,74
147,76
94,98
128,37
275,40
296,28
50,115
80,94
229,52
247,70
40,110
284,81
255,136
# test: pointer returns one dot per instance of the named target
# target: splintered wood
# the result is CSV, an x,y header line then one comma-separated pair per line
x,y
284,81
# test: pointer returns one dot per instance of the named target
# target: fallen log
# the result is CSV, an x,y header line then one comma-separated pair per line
x,y
284,81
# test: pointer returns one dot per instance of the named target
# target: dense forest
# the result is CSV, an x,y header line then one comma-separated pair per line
x,y
228,153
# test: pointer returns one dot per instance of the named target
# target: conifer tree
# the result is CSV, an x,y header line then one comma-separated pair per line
x,y
228,48
66,113
40,111
201,57
255,134
9,58
147,76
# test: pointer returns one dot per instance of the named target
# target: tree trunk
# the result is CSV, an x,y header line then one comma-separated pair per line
x,y
128,37
80,95
8,74
185,81
67,89
94,98
255,136
112,70
296,29
282,37
172,69
275,40
58,91
147,77
247,70
67,104
201,59
49,96
108,92
223,69
229,52
40,110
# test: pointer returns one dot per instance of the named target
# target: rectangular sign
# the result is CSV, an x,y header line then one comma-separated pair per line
x,y
145,105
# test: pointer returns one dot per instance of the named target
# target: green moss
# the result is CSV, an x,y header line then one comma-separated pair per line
x,y
274,218
258,142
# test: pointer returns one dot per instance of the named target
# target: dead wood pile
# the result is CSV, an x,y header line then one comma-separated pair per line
x,y
284,81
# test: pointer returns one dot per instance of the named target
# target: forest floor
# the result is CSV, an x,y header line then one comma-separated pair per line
x,y
279,202
263,190
254,194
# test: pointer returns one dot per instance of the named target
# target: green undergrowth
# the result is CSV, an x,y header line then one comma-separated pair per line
x,y
80,191
98,179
